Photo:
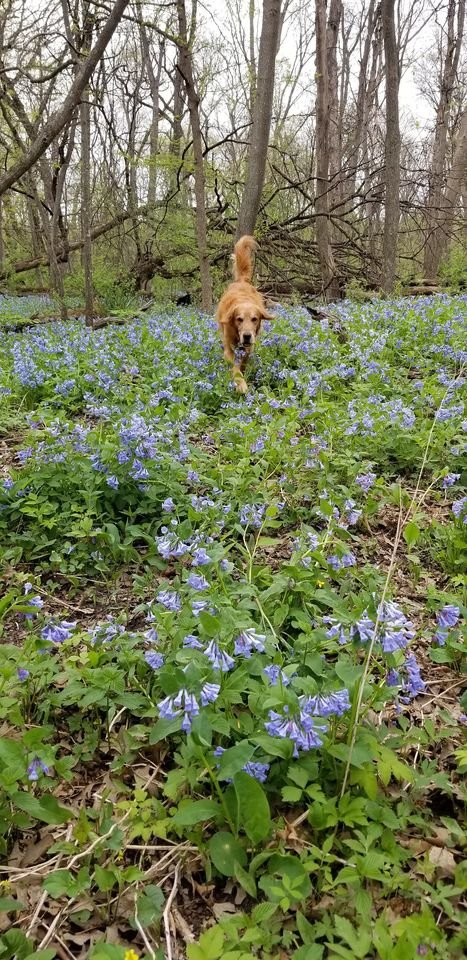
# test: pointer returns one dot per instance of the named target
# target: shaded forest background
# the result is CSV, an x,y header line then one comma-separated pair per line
x,y
138,139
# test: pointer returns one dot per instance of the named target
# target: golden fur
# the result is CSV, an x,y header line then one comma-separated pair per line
x,y
241,311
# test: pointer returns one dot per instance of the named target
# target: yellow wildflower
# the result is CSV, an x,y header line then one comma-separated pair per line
x,y
131,955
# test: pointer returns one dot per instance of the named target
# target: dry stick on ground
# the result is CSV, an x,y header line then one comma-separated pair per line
x,y
401,523
167,916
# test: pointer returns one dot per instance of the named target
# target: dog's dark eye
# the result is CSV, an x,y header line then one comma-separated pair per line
x,y
238,320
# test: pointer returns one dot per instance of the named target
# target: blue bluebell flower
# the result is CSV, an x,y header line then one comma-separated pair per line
x,y
35,768
58,632
170,599
154,659
365,481
197,582
219,658
249,641
275,675
209,693
192,642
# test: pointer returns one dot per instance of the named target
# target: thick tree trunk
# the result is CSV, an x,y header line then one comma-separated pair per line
x,y
435,202
62,116
392,148
186,69
262,115
322,223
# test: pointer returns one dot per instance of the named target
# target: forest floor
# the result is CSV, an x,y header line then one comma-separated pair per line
x,y
232,659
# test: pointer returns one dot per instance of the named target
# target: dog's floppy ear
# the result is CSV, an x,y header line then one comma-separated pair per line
x,y
228,315
265,315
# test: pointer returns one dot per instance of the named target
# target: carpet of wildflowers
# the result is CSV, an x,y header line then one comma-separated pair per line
x,y
233,637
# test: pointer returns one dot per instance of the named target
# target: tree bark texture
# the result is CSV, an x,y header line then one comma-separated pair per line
x,y
327,266
262,115
436,205
186,69
392,148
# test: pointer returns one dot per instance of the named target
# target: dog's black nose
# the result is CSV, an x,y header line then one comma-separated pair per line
x,y
247,338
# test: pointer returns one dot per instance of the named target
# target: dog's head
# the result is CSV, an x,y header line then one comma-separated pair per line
x,y
245,322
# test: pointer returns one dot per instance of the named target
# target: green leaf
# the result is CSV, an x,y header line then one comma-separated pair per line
x,y
46,808
150,905
263,911
163,728
9,903
225,852
411,533
196,811
254,813
209,947
211,625
105,879
291,794
233,759
60,883
246,880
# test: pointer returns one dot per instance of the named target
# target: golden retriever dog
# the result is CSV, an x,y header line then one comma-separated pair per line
x,y
240,312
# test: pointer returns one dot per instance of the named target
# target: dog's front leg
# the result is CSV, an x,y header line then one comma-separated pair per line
x,y
237,370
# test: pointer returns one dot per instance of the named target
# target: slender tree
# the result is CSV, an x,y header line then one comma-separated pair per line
x,y
262,115
330,285
186,69
392,148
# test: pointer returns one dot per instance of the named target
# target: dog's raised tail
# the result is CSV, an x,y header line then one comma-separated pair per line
x,y
243,262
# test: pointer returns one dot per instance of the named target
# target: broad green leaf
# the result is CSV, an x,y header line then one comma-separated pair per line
x,y
233,759
254,813
105,879
196,811
60,883
225,852
163,728
46,808
150,905
9,903
209,947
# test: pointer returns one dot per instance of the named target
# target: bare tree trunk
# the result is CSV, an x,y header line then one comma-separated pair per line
x,y
186,69
456,183
335,137
252,58
62,116
85,128
262,115
392,148
330,283
2,242
154,79
435,238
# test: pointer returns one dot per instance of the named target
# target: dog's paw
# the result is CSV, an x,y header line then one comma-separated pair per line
x,y
241,385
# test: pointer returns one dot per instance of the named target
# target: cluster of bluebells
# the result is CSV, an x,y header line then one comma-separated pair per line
x,y
407,678
393,632
254,768
446,619
459,509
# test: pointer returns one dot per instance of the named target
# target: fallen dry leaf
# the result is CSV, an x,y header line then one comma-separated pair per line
x,y
443,860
